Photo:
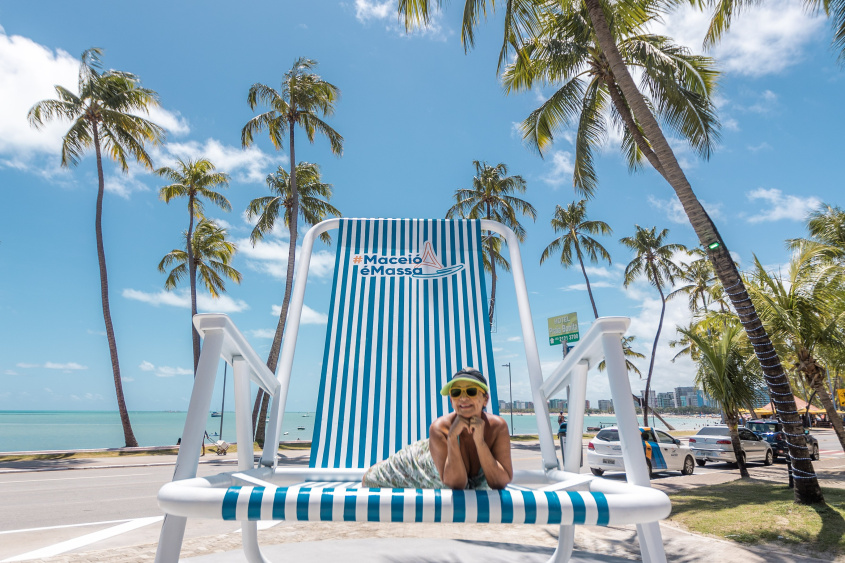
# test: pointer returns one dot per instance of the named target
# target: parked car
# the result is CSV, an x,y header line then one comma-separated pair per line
x,y
713,443
662,452
772,432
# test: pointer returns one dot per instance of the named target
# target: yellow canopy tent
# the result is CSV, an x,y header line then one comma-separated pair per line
x,y
800,403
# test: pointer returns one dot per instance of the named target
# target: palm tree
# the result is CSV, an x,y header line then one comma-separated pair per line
x,y
807,311
725,375
679,85
196,180
576,229
313,207
104,117
490,198
628,352
212,255
522,18
654,260
303,99
699,279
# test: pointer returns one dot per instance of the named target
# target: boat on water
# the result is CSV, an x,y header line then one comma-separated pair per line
x,y
300,428
216,414
306,415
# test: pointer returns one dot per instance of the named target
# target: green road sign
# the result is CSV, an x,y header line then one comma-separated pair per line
x,y
563,328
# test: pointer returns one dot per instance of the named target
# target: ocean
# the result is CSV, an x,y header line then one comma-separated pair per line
x,y
75,430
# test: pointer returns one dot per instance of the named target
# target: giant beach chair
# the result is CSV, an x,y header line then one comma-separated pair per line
x,y
408,309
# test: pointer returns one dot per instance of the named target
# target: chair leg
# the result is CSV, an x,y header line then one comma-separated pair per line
x,y
565,545
651,542
170,539
249,533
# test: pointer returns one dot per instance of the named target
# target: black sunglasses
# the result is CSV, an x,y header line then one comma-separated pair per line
x,y
470,391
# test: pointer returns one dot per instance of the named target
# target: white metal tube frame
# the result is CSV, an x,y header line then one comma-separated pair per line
x,y
190,496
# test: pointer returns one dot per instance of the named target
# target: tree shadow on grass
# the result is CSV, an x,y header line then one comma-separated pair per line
x,y
752,496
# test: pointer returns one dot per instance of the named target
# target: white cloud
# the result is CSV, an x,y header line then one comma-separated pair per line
x,y
270,256
10,372
514,339
175,124
562,167
309,315
782,206
182,299
583,286
244,165
263,333
763,39
69,366
602,272
674,211
764,146
764,103
28,74
164,371
367,11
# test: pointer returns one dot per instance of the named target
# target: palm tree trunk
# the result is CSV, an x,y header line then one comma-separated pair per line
x,y
807,490
814,375
737,447
625,112
273,358
653,353
192,274
584,271
128,435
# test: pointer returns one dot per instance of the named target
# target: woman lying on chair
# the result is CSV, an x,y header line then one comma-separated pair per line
x,y
466,449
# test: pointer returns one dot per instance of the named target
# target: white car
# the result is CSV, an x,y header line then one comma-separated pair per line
x,y
662,452
713,443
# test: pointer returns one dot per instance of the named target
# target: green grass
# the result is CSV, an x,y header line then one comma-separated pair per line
x,y
754,512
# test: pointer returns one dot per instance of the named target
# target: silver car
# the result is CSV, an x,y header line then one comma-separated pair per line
x,y
713,443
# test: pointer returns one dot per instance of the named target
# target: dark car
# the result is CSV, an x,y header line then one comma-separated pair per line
x,y
772,432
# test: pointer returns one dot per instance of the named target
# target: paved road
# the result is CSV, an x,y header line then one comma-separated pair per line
x,y
109,503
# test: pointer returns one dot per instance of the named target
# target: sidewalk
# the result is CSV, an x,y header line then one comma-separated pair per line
x,y
374,542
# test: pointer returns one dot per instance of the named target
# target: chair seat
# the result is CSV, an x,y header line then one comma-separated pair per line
x,y
354,504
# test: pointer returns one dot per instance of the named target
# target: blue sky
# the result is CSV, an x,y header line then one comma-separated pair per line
x,y
415,112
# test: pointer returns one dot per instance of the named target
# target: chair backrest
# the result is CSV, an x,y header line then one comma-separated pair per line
x,y
408,309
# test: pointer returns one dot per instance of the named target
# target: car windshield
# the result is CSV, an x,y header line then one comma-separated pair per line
x,y
608,435
762,427
713,431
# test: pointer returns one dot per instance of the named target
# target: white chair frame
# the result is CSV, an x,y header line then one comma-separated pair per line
x,y
186,496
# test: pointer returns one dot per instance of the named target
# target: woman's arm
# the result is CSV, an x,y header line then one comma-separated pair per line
x,y
446,451
495,458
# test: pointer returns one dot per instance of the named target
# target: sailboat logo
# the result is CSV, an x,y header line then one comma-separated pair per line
x,y
429,258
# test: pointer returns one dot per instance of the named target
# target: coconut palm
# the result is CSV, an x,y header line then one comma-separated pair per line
x,y
576,229
726,376
490,198
679,86
654,260
522,19
104,117
628,352
212,255
806,310
303,99
195,180
313,207
699,279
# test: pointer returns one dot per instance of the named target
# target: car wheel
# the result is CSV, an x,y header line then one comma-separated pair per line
x,y
816,452
701,462
650,472
596,471
770,459
689,466
774,456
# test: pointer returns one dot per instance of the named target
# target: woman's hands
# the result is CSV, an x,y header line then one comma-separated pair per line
x,y
475,427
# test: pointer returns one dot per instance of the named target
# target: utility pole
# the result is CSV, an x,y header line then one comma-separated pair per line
x,y
510,388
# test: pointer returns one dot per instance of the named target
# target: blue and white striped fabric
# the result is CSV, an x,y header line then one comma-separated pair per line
x,y
346,503
408,310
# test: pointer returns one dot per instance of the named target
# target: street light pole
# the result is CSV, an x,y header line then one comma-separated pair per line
x,y
510,387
